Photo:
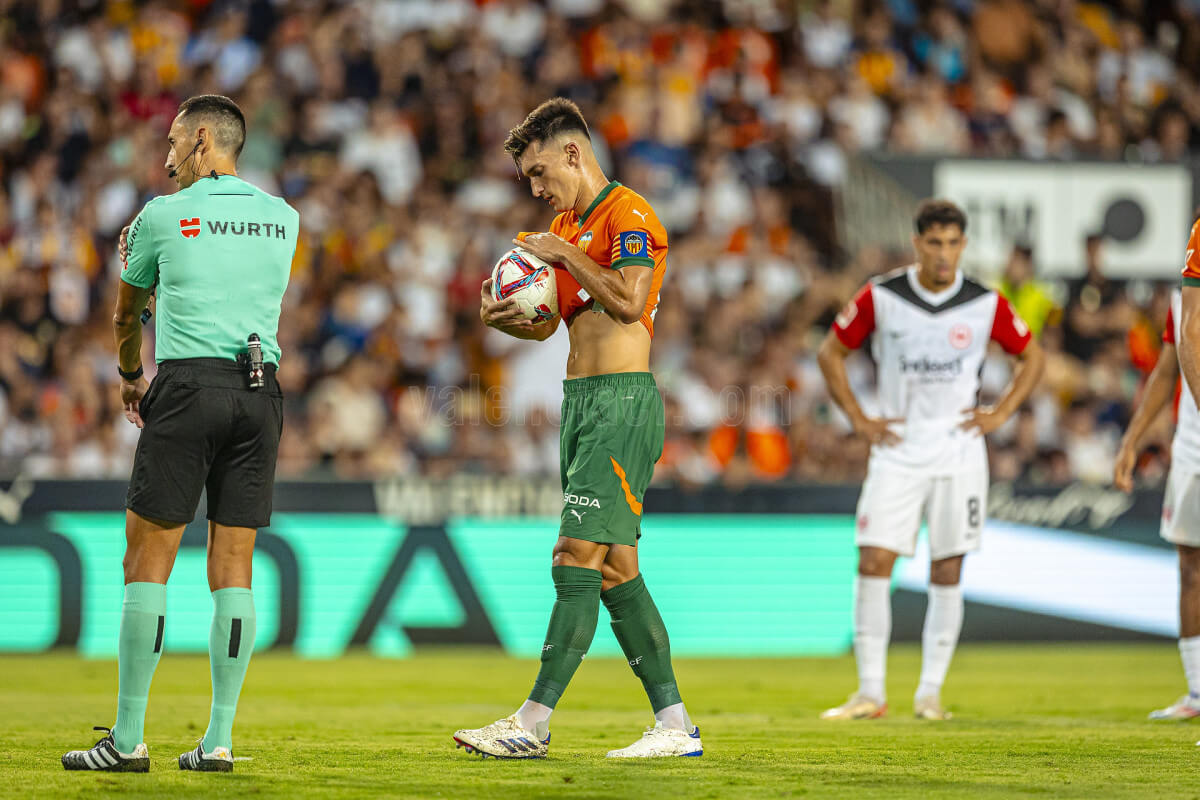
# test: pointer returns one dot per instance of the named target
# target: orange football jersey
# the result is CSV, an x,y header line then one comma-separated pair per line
x,y
1191,260
619,229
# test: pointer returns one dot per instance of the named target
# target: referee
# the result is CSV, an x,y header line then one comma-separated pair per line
x,y
219,251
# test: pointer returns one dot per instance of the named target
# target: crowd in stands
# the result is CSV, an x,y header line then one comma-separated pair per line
x,y
382,122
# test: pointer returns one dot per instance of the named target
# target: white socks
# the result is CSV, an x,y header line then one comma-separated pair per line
x,y
535,717
675,716
1189,651
943,622
872,631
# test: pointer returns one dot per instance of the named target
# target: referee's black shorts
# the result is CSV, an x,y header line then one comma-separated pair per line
x,y
205,429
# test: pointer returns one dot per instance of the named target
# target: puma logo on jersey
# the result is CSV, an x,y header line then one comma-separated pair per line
x,y
578,516
642,214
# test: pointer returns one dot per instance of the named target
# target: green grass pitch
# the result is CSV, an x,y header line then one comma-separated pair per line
x,y
1032,721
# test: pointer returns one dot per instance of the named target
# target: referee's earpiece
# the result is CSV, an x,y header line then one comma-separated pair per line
x,y
176,170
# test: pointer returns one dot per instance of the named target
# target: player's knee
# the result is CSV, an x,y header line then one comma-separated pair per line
x,y
1189,568
129,565
144,563
947,572
613,576
874,562
570,552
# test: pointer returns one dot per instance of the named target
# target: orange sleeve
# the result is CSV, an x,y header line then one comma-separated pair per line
x,y
1191,260
637,236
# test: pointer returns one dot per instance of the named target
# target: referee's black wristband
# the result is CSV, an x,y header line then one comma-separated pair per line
x,y
130,376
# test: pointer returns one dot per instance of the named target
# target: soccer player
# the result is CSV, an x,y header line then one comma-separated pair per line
x,y
929,329
1181,505
610,254
220,251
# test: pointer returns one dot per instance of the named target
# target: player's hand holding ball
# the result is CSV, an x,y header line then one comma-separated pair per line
x,y
504,315
549,247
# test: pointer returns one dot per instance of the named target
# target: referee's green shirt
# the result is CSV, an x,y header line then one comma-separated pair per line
x,y
221,251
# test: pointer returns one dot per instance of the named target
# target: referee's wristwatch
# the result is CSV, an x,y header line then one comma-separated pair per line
x,y
130,376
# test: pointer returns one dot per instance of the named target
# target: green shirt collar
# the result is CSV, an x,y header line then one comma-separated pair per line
x,y
599,199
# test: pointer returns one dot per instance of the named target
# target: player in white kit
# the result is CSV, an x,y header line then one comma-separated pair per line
x,y
929,329
1181,505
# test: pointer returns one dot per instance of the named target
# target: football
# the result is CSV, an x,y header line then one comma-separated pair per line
x,y
529,281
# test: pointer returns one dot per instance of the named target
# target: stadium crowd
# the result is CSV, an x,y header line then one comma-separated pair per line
x,y
381,121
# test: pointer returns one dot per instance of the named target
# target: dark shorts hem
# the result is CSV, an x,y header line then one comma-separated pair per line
x,y
256,525
142,511
602,536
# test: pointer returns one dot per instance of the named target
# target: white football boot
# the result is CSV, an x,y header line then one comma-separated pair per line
x,y
930,708
660,742
504,738
1185,707
857,707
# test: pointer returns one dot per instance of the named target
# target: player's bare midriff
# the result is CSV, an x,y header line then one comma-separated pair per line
x,y
601,345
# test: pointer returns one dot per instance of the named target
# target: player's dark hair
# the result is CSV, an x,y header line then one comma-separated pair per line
x,y
939,212
556,116
223,118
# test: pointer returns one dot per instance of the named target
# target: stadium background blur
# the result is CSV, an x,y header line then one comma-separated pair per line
x,y
382,122
760,132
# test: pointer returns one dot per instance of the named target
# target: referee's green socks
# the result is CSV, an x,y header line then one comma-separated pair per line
x,y
230,643
569,635
642,635
143,616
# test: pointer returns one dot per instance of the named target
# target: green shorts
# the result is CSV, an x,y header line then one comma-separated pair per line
x,y
611,437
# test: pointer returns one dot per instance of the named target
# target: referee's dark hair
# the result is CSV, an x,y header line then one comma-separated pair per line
x,y
553,117
939,212
222,116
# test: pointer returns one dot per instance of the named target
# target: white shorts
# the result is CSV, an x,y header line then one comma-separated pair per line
x,y
1181,509
894,501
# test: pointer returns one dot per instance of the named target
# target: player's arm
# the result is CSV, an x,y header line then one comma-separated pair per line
x,y
850,330
622,292
832,360
140,273
127,324
1189,334
1160,388
504,316
1011,332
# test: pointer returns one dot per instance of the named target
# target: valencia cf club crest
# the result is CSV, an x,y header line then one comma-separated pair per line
x,y
635,244
190,228
960,337
585,240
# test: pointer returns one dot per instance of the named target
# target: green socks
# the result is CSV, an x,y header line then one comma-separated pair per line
x,y
643,637
143,615
230,643
572,626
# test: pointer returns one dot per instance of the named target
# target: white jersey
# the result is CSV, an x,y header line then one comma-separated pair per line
x,y
929,349
1185,447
